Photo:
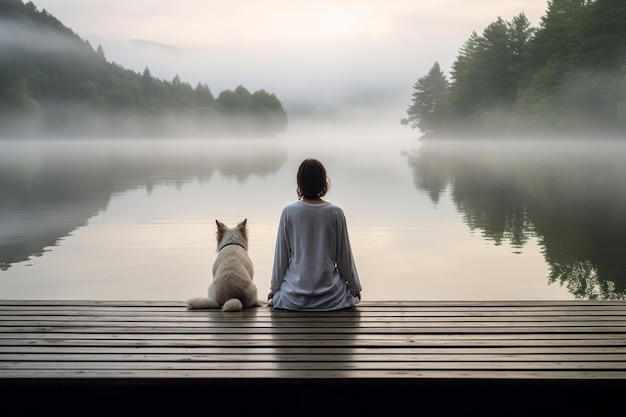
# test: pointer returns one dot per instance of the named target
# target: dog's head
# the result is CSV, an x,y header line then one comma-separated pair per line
x,y
237,235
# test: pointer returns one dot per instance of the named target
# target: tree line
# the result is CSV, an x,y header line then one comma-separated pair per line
x,y
566,76
52,81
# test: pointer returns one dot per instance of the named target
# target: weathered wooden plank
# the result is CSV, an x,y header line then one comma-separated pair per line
x,y
10,315
351,337
56,339
322,365
53,375
210,325
473,329
572,334
56,320
312,356
405,350
267,313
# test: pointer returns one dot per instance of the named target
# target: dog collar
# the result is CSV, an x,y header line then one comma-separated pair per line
x,y
231,243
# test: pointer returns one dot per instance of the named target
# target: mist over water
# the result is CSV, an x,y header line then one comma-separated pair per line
x,y
134,219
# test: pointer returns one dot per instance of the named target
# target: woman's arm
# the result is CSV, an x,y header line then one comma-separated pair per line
x,y
345,259
281,256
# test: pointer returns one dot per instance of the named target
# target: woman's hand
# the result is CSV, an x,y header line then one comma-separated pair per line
x,y
270,296
356,294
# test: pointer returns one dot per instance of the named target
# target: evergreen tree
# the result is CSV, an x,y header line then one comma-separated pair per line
x,y
203,95
520,34
464,90
605,35
100,52
426,112
487,70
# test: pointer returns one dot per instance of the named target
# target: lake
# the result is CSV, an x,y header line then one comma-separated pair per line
x,y
434,220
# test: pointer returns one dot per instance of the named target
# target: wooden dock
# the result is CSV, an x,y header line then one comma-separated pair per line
x,y
434,358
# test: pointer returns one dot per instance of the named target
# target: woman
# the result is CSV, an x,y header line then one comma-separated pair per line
x,y
313,264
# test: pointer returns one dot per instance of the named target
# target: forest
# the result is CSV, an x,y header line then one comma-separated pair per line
x,y
54,83
566,77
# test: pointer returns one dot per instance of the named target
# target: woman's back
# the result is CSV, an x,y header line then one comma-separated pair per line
x,y
314,259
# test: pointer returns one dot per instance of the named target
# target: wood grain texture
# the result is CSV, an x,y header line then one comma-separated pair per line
x,y
387,354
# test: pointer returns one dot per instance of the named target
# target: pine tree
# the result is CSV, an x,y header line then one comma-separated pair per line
x,y
425,112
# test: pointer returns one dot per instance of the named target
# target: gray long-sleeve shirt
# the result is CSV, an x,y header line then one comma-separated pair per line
x,y
313,264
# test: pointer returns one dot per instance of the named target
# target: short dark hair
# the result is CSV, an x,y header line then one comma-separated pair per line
x,y
313,183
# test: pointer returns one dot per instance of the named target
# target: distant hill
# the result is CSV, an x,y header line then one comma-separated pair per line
x,y
52,82
154,46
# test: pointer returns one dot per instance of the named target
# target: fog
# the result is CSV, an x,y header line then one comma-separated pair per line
x,y
316,81
318,58
15,34
349,62
134,219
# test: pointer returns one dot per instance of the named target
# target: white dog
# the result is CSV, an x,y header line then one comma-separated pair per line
x,y
232,288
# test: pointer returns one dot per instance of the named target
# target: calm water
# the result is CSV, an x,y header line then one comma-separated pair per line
x,y
428,221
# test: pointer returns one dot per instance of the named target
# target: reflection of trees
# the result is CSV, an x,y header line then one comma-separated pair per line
x,y
492,203
578,208
572,198
582,280
47,191
485,191
430,172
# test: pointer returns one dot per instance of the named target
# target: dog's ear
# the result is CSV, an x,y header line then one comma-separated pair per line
x,y
221,230
243,229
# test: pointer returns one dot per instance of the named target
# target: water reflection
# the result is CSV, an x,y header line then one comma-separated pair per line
x,y
49,189
571,196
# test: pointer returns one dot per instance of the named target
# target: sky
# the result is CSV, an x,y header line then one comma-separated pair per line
x,y
315,56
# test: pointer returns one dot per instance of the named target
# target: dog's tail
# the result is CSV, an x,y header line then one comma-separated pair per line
x,y
201,303
232,304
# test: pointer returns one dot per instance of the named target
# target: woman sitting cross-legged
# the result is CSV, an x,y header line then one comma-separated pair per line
x,y
314,269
